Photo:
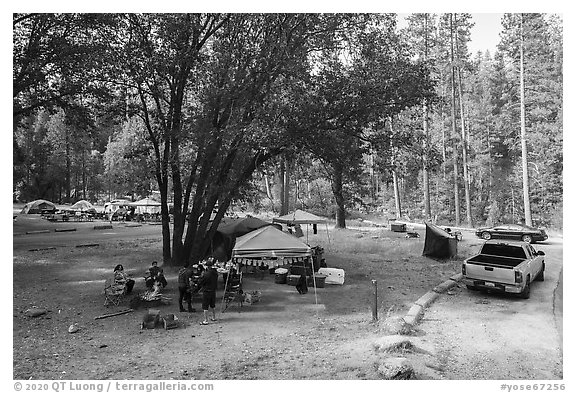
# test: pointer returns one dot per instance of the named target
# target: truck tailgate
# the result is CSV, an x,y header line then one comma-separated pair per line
x,y
501,274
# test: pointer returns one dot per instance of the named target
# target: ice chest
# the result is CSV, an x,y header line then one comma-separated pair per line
x,y
398,227
333,275
292,279
320,280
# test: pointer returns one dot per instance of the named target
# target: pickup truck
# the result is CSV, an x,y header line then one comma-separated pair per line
x,y
504,267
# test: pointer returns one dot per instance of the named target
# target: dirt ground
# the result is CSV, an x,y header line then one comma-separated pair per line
x,y
284,336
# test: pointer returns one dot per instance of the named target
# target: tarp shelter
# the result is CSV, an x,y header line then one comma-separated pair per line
x,y
439,243
302,217
146,205
37,206
83,206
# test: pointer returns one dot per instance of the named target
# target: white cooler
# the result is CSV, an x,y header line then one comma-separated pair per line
x,y
333,276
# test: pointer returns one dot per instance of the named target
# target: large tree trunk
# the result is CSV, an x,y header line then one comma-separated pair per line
x,y
338,190
454,132
525,180
68,175
396,194
425,172
464,142
166,251
284,187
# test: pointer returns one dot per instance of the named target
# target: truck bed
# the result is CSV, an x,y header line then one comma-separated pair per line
x,y
496,261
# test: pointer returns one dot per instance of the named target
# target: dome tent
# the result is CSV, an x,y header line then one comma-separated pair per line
x,y
37,206
83,206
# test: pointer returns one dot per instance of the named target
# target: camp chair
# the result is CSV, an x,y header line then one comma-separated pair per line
x,y
113,293
233,291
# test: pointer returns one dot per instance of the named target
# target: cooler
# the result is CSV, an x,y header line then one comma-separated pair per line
x,y
320,280
333,275
398,227
281,276
292,279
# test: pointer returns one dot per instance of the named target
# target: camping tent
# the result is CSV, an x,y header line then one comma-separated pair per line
x,y
83,206
302,217
439,243
269,246
37,206
146,205
240,226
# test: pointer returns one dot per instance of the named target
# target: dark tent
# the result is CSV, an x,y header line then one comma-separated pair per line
x,y
227,232
240,226
439,243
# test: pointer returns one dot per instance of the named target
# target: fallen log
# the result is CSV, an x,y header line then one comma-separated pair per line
x,y
114,314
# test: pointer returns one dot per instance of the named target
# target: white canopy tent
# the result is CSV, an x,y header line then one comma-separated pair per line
x,y
302,217
146,205
272,247
269,245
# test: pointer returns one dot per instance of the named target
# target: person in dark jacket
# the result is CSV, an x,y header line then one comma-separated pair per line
x,y
302,285
184,275
155,274
208,283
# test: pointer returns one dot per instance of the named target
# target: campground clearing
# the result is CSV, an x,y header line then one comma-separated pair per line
x,y
329,335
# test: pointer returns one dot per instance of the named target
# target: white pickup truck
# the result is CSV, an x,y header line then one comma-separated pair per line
x,y
504,267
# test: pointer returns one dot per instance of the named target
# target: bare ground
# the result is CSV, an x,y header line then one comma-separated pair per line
x,y
284,336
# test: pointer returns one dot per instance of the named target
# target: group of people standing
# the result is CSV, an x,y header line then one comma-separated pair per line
x,y
192,279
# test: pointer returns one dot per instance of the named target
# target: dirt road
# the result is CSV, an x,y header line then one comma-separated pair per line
x,y
490,336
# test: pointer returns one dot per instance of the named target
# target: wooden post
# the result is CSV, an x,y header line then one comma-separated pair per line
x,y
375,303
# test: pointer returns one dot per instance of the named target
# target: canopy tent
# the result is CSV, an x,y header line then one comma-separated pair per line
x,y
302,217
83,206
439,243
272,247
269,246
146,205
38,206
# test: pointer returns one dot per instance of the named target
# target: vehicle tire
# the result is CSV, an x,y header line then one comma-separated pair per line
x,y
525,294
527,238
471,287
540,276
486,235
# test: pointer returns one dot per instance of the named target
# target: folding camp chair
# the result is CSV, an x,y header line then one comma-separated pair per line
x,y
233,291
113,293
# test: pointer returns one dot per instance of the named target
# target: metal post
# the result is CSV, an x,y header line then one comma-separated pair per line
x,y
375,303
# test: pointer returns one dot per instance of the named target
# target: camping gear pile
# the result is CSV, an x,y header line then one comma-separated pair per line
x,y
153,319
